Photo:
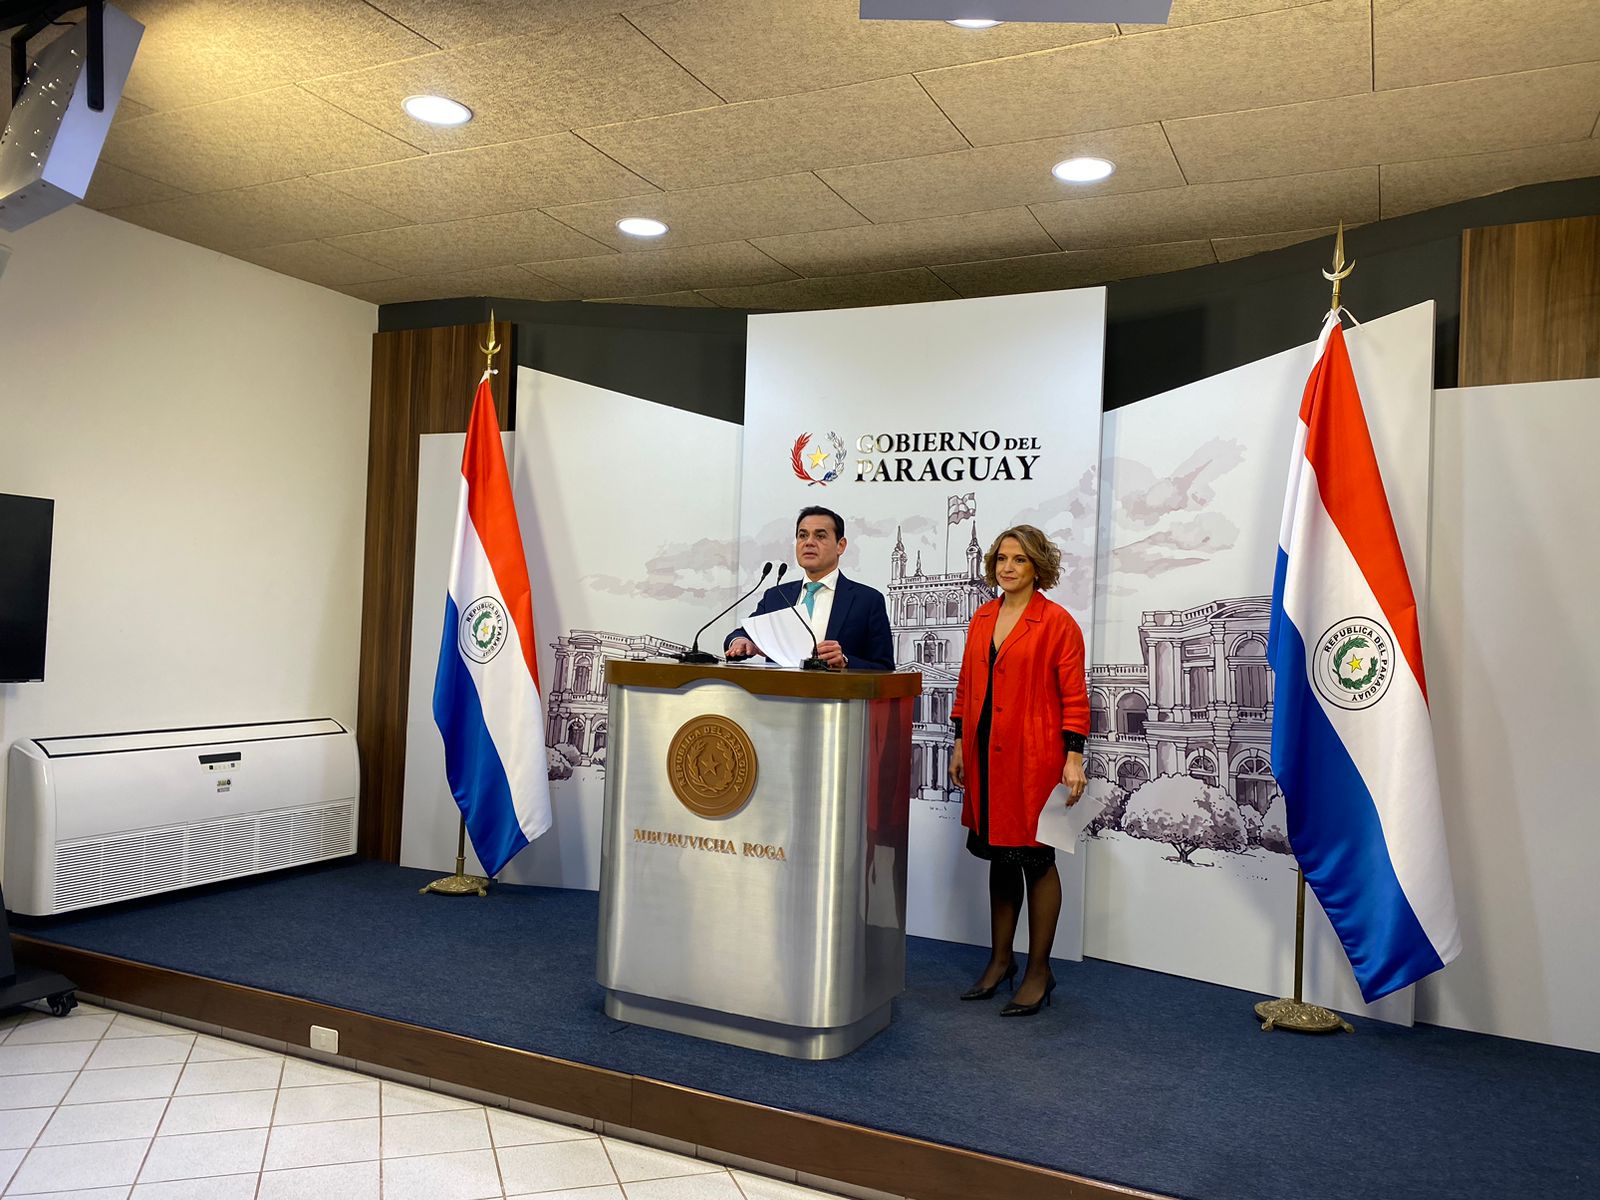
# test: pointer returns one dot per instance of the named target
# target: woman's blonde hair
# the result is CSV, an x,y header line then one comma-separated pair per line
x,y
1041,552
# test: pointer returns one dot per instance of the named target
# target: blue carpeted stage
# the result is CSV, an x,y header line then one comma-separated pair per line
x,y
1132,1077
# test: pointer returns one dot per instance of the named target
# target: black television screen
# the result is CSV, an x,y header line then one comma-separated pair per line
x,y
25,526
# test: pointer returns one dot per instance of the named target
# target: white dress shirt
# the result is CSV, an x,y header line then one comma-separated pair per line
x,y
822,606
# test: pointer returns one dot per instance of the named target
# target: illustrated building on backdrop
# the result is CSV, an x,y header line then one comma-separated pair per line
x,y
928,617
576,701
1200,704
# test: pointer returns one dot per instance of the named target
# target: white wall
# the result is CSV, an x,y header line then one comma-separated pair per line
x,y
1513,657
201,424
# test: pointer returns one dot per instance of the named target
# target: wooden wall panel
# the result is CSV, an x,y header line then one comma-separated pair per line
x,y
1530,302
423,381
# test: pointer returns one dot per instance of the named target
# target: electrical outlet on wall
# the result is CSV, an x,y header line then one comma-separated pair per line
x,y
323,1038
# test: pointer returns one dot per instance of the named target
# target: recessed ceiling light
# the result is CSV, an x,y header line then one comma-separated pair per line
x,y
973,23
641,227
436,110
1083,170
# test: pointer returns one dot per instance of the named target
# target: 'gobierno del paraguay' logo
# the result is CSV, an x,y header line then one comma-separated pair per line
x,y
1354,663
820,461
483,629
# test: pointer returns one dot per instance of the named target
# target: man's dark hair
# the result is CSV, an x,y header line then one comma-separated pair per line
x,y
816,510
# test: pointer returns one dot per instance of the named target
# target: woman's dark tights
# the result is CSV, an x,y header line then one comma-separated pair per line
x,y
1007,885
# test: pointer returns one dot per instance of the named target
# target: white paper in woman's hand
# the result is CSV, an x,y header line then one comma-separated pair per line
x,y
1060,826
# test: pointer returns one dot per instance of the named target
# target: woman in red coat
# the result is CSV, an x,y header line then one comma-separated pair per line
x,y
1021,712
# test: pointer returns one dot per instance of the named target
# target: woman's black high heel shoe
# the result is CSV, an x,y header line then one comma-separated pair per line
x,y
1027,1010
984,993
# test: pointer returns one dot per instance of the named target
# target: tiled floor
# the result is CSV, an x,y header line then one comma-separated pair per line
x,y
114,1106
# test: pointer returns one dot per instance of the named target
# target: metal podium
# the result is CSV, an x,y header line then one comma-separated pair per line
x,y
753,861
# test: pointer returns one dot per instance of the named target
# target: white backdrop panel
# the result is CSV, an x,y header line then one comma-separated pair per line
x,y
627,510
1023,368
1514,679
1192,487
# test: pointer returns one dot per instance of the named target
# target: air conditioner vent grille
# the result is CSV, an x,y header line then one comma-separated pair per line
x,y
129,865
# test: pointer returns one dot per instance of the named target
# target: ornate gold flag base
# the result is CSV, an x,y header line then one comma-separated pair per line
x,y
1300,1017
1295,1013
459,884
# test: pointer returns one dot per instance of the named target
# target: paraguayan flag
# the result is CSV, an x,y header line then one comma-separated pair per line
x,y
1352,747
486,693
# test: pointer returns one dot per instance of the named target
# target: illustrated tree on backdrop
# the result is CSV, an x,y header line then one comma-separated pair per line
x,y
1112,802
1275,827
1187,814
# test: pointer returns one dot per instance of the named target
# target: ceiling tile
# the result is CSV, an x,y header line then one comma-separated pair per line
x,y
1230,248
112,187
1474,116
503,283
730,264
1432,41
130,110
316,262
1078,268
536,173
665,299
454,246
586,74
451,23
1005,233
1213,210
865,122
1197,12
1413,186
745,51
999,176
197,53
732,211
293,210
1299,53
844,291
254,139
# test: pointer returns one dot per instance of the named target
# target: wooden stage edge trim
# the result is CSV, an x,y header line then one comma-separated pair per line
x,y
851,1154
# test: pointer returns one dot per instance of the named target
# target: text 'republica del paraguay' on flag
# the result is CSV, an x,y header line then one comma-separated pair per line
x,y
1352,747
486,693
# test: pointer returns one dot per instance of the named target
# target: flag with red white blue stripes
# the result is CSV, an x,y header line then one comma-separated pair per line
x,y
1352,746
486,692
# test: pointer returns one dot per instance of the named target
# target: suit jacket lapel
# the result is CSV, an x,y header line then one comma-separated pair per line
x,y
843,597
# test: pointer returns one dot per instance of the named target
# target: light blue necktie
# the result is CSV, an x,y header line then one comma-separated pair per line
x,y
811,597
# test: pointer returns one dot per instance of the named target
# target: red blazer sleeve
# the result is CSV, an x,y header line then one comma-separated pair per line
x,y
1072,680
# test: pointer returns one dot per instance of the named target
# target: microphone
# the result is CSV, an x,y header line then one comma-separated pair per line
x,y
697,655
813,663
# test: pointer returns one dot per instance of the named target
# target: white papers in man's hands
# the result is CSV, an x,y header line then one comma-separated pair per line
x,y
782,636
1060,826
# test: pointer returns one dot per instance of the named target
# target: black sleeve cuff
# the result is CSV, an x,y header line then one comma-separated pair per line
x,y
955,723
1073,742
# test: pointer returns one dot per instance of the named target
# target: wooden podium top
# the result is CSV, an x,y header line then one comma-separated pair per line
x,y
768,681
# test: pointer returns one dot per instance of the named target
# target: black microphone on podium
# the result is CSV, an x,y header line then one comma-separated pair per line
x,y
697,655
813,663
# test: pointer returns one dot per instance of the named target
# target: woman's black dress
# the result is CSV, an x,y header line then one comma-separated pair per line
x,y
1030,858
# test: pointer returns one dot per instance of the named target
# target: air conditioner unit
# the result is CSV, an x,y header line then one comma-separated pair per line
x,y
109,817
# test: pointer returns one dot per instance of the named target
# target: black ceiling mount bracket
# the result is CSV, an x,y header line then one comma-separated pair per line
x,y
29,18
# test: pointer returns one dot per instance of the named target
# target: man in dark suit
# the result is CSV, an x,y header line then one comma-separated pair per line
x,y
850,620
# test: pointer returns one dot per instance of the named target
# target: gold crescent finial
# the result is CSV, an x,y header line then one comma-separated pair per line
x,y
492,347
1341,270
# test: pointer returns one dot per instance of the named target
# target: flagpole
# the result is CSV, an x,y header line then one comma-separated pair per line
x,y
1294,1013
460,883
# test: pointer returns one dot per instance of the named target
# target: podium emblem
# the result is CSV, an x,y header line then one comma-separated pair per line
x,y
712,765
